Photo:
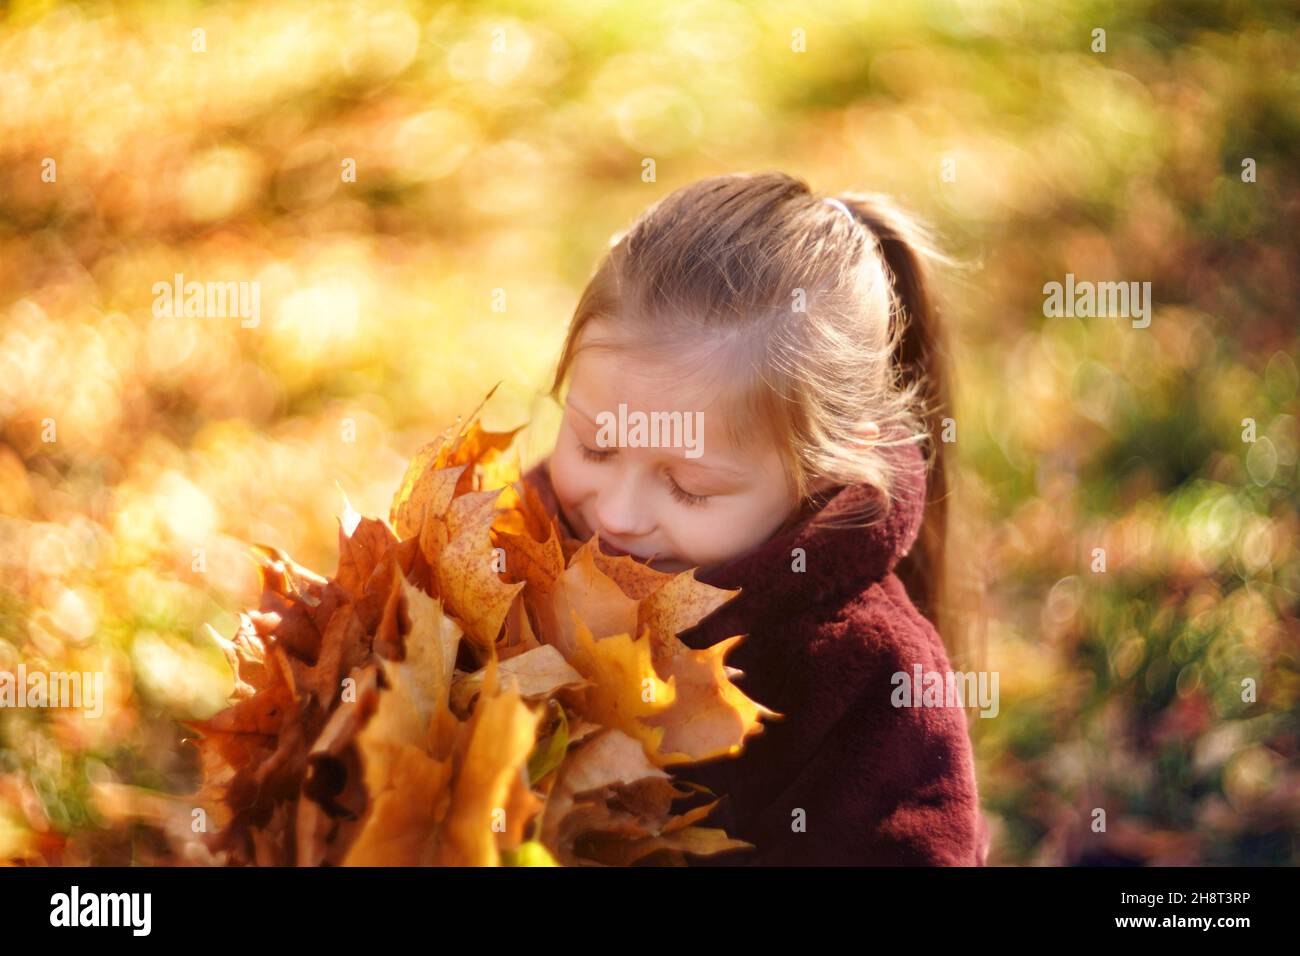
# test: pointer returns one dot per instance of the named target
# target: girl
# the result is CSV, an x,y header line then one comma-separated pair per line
x,y
798,333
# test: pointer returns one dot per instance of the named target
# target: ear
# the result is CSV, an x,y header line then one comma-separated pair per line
x,y
822,484
866,433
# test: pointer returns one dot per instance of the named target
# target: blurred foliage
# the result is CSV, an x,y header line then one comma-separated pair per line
x,y
498,146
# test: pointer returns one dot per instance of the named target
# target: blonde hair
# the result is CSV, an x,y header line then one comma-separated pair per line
x,y
815,322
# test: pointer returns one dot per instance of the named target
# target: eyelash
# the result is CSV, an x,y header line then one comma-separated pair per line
x,y
592,455
685,497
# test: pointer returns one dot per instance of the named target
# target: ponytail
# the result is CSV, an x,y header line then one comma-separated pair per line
x,y
921,362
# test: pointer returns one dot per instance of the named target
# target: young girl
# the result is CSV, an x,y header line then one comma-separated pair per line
x,y
798,333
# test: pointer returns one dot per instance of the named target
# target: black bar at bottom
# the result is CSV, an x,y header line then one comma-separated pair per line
x,y
236,907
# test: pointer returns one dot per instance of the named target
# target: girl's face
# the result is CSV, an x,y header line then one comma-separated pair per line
x,y
657,501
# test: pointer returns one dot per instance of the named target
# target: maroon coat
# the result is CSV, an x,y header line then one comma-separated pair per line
x,y
878,784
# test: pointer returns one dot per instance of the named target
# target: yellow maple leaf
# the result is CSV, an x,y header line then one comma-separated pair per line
x,y
501,733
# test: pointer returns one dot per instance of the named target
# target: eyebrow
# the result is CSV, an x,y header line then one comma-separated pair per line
x,y
685,462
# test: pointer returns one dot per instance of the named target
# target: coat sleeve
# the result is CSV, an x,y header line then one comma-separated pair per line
x,y
888,787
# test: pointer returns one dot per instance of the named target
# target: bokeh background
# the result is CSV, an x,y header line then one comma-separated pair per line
x,y
498,146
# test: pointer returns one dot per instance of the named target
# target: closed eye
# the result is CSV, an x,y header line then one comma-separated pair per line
x,y
592,455
685,497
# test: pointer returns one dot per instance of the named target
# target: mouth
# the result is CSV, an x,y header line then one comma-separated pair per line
x,y
654,561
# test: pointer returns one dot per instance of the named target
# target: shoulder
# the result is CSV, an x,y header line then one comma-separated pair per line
x,y
871,635
834,664
915,786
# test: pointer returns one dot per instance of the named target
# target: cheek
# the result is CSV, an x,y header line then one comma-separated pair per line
x,y
571,476
725,532
706,531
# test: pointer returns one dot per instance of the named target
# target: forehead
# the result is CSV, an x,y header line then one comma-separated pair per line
x,y
604,378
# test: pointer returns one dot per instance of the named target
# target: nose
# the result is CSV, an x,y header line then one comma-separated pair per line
x,y
620,510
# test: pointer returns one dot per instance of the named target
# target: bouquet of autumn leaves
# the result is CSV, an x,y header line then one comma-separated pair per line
x,y
468,689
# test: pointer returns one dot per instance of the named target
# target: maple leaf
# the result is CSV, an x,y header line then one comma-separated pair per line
x,y
616,621
624,687
467,577
472,461
610,806
540,673
492,786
